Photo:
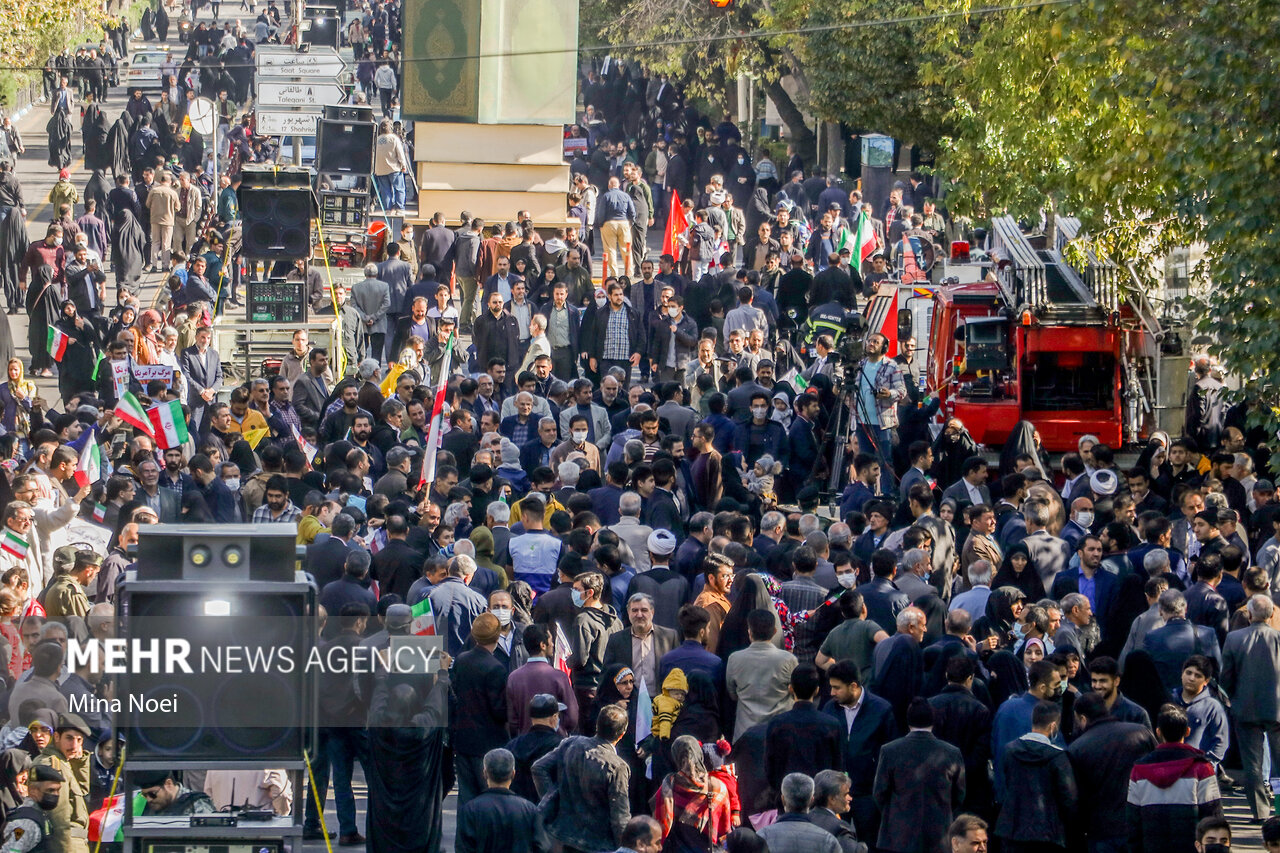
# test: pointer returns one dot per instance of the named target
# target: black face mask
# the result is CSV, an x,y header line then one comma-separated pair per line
x,y
1217,848
49,801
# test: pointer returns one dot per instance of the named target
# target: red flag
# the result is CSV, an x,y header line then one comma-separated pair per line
x,y
676,224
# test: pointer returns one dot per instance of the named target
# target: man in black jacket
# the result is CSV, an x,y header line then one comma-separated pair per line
x,y
496,334
884,600
964,721
1040,789
802,740
872,726
478,716
342,714
1101,758
500,819
919,786
542,737
616,335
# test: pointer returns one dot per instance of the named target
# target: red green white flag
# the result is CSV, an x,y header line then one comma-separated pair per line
x,y
424,620
89,468
307,447
14,544
58,341
129,409
168,425
107,823
437,419
864,238
99,512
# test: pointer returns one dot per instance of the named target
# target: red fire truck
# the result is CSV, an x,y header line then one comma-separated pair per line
x,y
1021,335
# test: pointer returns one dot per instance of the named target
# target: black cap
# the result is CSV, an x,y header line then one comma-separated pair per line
x,y
544,705
151,778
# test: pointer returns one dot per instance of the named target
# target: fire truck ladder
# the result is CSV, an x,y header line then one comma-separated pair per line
x,y
1040,280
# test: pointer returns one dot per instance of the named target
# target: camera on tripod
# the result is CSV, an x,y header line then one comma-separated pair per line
x,y
848,351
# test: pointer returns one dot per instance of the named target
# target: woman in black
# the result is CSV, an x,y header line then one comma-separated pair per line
x,y
75,372
1016,571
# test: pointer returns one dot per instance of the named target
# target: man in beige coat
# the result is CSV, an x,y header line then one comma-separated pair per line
x,y
162,203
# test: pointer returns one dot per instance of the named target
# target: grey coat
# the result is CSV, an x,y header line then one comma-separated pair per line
x,y
372,298
1250,660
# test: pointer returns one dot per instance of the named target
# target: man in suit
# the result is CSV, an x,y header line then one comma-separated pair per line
x,y
397,565
436,247
883,599
1250,661
311,390
644,644
166,502
980,544
802,740
564,326
1177,640
478,722
372,299
679,418
202,366
804,443
920,454
327,559
1205,605
599,431
919,786
1098,586
971,488
1049,554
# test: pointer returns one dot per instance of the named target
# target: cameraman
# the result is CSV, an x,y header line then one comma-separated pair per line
x,y
878,388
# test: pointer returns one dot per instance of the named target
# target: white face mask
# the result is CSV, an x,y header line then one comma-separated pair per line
x,y
233,484
579,436
1084,519
600,301
503,615
760,411
848,580
673,312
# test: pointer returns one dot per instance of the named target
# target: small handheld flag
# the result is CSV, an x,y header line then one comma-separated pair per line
x,y
168,425
14,544
437,419
58,341
89,468
424,620
129,409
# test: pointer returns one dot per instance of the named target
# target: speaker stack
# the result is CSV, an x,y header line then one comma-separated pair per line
x,y
345,137
231,595
275,210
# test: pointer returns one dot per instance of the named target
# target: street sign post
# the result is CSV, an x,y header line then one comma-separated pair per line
x,y
304,95
285,122
318,63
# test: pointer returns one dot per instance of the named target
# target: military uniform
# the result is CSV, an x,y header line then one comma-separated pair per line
x,y
27,830
65,597
70,818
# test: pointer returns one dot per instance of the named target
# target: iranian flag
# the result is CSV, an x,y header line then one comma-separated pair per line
x,y
437,419
89,468
129,409
307,447
563,650
424,620
58,341
676,224
14,544
99,512
864,238
106,824
644,720
168,425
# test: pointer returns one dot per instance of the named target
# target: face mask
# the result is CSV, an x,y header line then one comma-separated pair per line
x,y
848,580
1061,689
741,161
233,484
1084,519
57,241
1020,631
578,598
1217,848
760,411
600,301
673,312
579,436
49,801
503,614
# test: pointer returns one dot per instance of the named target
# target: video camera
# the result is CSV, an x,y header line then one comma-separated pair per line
x,y
848,352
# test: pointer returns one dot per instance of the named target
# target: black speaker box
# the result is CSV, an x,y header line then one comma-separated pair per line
x,y
276,222
240,702
349,112
345,146
258,177
225,552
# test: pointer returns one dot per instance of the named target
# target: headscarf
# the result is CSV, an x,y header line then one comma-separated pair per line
x,y
146,346
1021,440
22,416
686,755
1028,582
700,714
13,763
749,593
1008,677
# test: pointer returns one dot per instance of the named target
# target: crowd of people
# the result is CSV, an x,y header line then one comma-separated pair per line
x,y
655,639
